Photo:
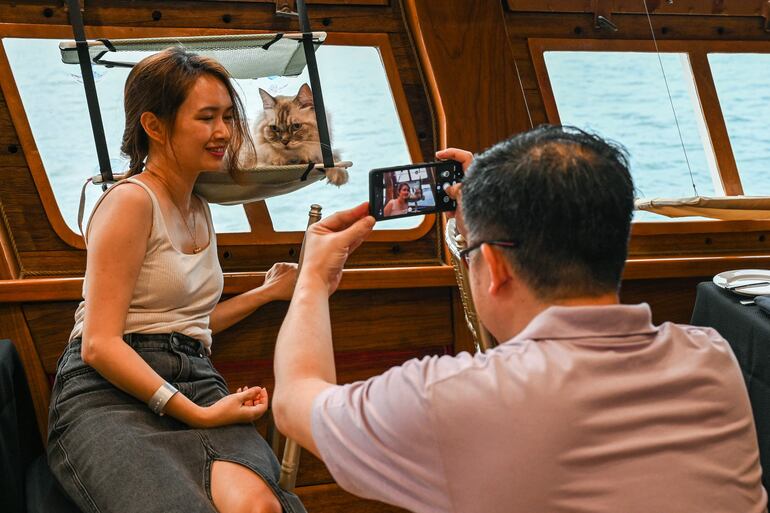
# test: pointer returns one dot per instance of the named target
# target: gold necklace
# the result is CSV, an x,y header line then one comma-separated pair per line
x,y
196,249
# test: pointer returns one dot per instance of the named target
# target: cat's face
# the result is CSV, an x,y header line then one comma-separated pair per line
x,y
288,121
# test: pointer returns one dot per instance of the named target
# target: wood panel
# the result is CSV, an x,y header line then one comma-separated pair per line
x,y
202,13
25,214
11,154
332,499
471,68
42,290
393,322
671,300
309,2
691,7
312,2
634,26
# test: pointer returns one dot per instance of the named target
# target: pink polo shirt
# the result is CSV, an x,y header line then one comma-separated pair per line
x,y
588,409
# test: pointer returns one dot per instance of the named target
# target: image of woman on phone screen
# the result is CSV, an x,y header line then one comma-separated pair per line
x,y
398,205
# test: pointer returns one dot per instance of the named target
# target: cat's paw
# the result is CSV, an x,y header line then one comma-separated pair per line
x,y
337,176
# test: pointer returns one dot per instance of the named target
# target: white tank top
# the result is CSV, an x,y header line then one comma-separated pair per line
x,y
175,291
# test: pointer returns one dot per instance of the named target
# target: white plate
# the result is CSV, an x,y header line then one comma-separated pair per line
x,y
745,276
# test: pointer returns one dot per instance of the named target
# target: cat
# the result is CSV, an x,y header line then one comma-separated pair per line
x,y
286,132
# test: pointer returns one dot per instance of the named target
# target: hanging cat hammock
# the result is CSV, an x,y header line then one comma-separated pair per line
x,y
244,56
280,55
729,208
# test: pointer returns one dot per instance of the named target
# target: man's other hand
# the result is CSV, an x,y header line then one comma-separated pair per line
x,y
329,242
455,192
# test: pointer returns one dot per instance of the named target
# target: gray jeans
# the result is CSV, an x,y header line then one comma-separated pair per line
x,y
112,454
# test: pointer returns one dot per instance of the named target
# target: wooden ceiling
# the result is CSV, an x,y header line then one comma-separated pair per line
x,y
693,7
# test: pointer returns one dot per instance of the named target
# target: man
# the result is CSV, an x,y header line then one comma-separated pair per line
x,y
585,406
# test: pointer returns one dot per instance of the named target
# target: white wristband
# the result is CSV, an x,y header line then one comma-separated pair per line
x,y
162,395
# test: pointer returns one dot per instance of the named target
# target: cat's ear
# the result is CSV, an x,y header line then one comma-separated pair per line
x,y
304,97
268,102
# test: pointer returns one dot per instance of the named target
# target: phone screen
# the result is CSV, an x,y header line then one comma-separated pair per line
x,y
412,190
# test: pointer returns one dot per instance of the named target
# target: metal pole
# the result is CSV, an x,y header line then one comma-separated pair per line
x,y
292,450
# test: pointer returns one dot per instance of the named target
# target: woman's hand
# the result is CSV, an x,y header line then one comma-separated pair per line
x,y
280,280
242,407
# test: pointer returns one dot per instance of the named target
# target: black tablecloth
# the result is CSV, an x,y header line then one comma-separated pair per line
x,y
747,329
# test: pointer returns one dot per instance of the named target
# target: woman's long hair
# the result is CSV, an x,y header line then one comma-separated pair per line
x,y
160,84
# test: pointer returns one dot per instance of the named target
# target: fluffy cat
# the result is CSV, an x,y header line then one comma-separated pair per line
x,y
286,132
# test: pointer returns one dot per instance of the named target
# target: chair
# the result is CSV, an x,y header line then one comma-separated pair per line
x,y
26,482
456,243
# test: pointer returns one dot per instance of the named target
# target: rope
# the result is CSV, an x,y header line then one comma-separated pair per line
x,y
670,98
516,66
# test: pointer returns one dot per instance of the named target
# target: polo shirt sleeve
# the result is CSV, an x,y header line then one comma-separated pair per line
x,y
377,438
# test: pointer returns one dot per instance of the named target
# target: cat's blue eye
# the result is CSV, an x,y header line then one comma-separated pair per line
x,y
274,128
296,126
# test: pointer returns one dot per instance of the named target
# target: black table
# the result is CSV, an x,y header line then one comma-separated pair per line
x,y
747,329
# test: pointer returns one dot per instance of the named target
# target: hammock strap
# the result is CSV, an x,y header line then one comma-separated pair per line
x,y
310,167
315,85
76,20
82,206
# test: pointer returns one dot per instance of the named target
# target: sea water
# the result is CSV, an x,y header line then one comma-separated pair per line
x,y
626,97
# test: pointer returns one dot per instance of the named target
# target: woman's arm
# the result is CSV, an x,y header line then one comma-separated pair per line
x,y
388,208
114,259
278,286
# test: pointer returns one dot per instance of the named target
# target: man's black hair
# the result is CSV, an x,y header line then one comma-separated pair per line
x,y
566,197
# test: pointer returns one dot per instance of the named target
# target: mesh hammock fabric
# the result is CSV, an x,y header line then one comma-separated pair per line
x,y
243,55
258,183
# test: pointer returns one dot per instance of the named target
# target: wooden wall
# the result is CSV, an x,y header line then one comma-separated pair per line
x,y
457,60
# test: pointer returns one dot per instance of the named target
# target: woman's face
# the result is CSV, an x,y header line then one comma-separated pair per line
x,y
403,192
203,126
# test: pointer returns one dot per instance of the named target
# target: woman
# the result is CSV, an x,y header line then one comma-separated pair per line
x,y
398,206
151,303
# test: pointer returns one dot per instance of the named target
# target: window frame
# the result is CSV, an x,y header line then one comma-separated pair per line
x,y
697,52
259,219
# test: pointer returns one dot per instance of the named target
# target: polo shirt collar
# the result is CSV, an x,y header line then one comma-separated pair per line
x,y
577,322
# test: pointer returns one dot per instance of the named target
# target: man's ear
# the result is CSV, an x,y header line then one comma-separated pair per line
x,y
498,267
153,127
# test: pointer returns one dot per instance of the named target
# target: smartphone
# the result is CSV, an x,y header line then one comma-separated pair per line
x,y
413,190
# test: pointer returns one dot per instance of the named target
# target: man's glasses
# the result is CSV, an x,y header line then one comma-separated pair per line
x,y
464,254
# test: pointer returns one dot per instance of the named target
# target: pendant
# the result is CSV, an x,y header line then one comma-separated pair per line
x,y
197,250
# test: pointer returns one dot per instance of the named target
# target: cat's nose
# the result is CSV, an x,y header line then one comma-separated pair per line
x,y
285,142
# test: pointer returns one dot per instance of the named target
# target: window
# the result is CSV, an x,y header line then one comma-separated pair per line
x,y
58,116
623,96
365,127
365,130
743,85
